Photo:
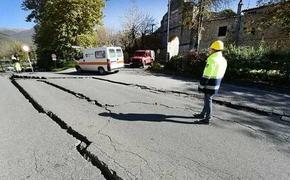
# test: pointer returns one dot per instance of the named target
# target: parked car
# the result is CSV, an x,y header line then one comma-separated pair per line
x,y
102,59
142,58
9,69
26,67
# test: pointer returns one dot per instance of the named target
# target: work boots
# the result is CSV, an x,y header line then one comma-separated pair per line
x,y
198,116
203,121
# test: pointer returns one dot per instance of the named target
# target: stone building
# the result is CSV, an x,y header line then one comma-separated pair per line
x,y
273,36
230,29
177,29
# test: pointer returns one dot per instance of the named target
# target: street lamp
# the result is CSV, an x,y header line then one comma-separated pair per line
x,y
27,49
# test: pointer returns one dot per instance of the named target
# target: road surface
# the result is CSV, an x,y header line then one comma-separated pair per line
x,y
96,129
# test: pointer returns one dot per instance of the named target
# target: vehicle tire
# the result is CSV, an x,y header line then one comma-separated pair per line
x,y
78,68
101,70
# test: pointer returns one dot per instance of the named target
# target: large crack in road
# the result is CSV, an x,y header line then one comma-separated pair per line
x,y
107,106
84,142
82,96
79,95
220,102
228,104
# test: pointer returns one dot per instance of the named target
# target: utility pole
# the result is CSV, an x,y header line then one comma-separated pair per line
x,y
168,30
239,20
199,25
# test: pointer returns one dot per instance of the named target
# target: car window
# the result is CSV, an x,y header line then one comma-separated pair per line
x,y
112,53
119,53
139,53
100,54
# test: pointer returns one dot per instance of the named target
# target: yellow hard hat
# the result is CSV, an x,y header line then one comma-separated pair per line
x,y
217,45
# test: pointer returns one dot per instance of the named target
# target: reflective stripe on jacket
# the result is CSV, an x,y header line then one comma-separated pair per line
x,y
213,73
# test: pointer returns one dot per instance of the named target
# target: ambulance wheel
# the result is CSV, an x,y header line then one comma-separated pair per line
x,y
101,70
78,68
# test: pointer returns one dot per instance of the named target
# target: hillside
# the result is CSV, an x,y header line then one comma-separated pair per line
x,y
8,38
4,37
23,36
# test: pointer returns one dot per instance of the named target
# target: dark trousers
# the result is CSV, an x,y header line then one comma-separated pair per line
x,y
207,108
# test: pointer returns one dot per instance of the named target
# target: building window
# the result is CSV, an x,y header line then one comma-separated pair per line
x,y
222,31
252,12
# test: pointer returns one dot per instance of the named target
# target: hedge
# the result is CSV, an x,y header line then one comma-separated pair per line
x,y
244,63
258,64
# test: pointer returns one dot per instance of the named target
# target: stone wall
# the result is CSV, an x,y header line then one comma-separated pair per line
x,y
218,29
251,35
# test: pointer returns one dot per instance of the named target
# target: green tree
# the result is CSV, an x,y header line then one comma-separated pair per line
x,y
35,7
87,40
61,24
226,13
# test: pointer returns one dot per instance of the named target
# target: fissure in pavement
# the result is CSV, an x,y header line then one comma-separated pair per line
x,y
256,110
80,96
106,107
220,102
84,142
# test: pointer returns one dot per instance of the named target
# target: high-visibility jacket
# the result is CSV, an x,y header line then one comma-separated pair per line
x,y
213,73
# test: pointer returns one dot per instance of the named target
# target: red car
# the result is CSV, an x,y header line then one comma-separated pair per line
x,y
142,58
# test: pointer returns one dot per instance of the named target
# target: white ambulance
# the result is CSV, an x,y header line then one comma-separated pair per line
x,y
102,59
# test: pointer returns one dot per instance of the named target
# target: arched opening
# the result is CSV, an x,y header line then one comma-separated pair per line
x,y
173,46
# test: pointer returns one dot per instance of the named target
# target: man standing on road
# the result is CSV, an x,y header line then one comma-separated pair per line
x,y
213,74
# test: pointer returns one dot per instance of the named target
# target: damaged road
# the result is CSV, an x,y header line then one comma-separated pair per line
x,y
33,146
128,133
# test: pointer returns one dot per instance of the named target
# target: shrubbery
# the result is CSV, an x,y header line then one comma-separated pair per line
x,y
191,64
244,63
258,64
156,67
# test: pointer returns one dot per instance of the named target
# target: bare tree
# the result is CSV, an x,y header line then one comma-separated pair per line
x,y
136,24
105,36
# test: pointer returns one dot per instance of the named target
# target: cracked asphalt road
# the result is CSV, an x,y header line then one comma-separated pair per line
x,y
34,147
142,134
